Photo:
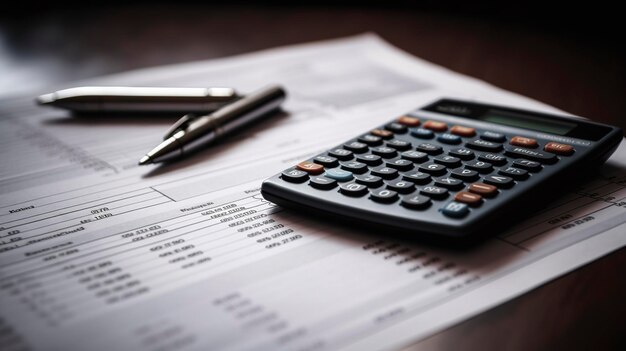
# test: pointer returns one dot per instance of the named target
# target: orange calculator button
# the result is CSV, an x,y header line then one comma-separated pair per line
x,y
523,142
463,131
383,133
468,198
559,149
483,189
435,126
409,121
310,167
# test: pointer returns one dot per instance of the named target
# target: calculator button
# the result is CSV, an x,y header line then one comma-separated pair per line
x,y
468,198
493,136
494,159
415,201
434,192
479,166
449,183
436,126
341,154
484,190
455,209
463,131
417,177
372,160
409,121
429,148
353,189
415,156
385,172
385,134
383,195
310,167
295,176
524,142
368,180
480,144
385,152
422,133
462,153
528,165
432,168
399,144
448,161
322,183
354,166
559,149
356,146
327,161
531,155
466,175
400,164
396,127
401,186
499,181
370,140
448,138
338,174
515,173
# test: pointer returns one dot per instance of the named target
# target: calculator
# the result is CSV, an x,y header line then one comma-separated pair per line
x,y
453,170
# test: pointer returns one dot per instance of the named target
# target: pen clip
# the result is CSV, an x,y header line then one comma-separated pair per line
x,y
181,124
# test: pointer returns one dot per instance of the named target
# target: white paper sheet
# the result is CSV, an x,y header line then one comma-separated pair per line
x,y
97,253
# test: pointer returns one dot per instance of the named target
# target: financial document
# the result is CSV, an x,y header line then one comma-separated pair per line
x,y
97,253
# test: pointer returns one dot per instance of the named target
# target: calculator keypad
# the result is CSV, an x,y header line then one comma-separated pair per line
x,y
416,165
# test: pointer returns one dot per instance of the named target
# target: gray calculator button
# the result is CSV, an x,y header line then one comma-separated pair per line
x,y
323,183
385,172
480,144
371,140
515,173
462,153
415,201
499,180
532,166
449,183
354,166
399,144
370,181
531,155
422,133
414,156
448,138
447,160
430,149
372,160
356,146
353,189
479,166
401,186
383,195
493,136
455,209
432,168
434,191
384,152
396,127
417,177
327,161
466,175
400,164
294,176
341,154
495,159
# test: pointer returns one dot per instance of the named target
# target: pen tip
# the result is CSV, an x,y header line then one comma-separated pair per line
x,y
45,99
145,160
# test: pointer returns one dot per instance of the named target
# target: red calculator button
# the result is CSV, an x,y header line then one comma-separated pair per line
x,y
523,142
310,167
436,126
463,131
409,121
559,149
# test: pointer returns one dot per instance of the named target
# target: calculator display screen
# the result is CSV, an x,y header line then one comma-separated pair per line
x,y
528,122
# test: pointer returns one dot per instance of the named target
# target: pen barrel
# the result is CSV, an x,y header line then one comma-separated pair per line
x,y
228,119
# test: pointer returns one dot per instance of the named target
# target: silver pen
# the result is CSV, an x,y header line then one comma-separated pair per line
x,y
191,134
139,99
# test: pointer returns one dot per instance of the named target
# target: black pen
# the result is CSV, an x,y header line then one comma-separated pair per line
x,y
110,99
199,131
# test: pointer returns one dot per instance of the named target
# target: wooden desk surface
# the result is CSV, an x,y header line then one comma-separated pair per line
x,y
567,68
